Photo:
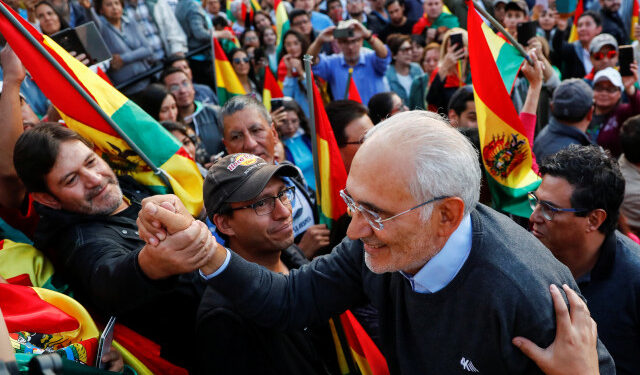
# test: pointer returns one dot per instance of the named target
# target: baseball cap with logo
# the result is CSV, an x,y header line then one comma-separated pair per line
x,y
239,178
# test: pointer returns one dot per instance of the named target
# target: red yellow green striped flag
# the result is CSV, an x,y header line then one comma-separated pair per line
x,y
635,12
573,36
227,82
333,175
506,152
255,6
160,147
271,89
282,23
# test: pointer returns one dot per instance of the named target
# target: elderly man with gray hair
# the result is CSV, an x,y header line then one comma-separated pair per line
x,y
454,281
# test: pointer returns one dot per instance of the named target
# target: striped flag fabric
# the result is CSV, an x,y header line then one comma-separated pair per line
x,y
573,35
282,23
23,264
41,320
364,351
635,12
271,89
505,149
227,82
333,175
255,6
157,143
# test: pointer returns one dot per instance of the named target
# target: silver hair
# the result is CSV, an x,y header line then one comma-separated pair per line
x,y
240,103
445,162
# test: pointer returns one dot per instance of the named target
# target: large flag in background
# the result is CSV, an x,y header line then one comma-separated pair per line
x,y
157,143
506,152
333,176
573,36
635,12
271,89
255,6
282,23
227,82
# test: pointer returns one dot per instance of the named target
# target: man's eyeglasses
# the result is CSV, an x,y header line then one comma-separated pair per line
x,y
176,87
548,211
238,60
601,55
609,89
374,220
265,206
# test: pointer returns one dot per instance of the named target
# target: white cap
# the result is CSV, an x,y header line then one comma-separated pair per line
x,y
611,75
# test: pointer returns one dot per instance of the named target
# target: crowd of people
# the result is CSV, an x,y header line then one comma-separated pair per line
x,y
440,281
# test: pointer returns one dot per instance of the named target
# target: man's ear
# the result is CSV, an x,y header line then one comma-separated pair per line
x,y
222,223
595,219
450,213
47,199
453,118
274,131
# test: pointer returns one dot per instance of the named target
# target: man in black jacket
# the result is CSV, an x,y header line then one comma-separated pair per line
x,y
611,21
453,281
250,204
575,216
573,59
88,221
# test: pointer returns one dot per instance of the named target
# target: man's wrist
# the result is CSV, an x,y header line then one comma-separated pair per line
x,y
371,35
146,264
216,261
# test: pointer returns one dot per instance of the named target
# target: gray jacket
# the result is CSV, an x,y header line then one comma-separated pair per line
x,y
193,20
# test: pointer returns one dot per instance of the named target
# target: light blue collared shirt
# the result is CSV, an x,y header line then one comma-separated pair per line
x,y
442,268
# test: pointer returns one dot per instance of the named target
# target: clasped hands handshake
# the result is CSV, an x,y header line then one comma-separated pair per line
x,y
176,243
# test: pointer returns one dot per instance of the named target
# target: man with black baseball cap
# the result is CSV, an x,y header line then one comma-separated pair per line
x,y
251,207
572,109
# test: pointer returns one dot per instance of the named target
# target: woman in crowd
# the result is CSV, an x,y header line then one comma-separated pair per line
x,y
385,104
294,133
269,41
429,62
262,21
213,8
401,73
242,67
417,48
452,73
250,39
158,102
189,141
49,18
129,49
609,112
291,68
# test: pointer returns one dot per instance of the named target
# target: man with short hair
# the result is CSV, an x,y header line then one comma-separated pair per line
x,y
462,109
421,217
250,204
248,128
573,59
204,119
612,22
334,10
88,223
572,110
575,216
319,21
630,168
369,67
434,20
398,22
350,122
355,9
603,53
377,18
203,93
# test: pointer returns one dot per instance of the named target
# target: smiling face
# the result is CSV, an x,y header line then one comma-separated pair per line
x,y
168,109
48,19
406,243
240,63
606,95
180,86
587,29
82,182
260,234
269,37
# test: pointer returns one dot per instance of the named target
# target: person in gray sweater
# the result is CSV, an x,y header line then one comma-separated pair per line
x,y
454,281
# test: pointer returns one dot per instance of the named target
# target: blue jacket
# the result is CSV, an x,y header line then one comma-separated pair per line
x,y
394,84
555,137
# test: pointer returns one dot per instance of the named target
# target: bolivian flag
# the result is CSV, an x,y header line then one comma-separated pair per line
x,y
282,23
506,152
157,143
333,176
635,12
573,36
271,89
227,81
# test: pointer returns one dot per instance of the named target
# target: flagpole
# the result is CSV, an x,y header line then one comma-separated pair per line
x,y
504,32
213,60
312,125
157,171
346,90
